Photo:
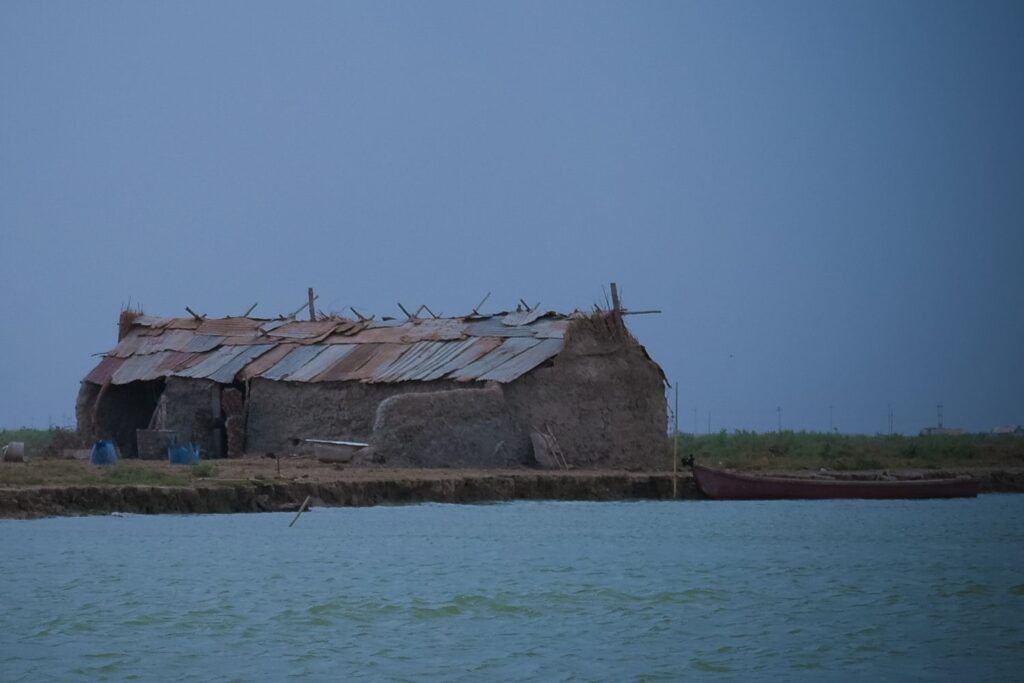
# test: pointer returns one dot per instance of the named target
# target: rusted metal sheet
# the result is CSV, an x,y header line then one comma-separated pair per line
x,y
524,362
443,329
477,348
270,325
183,324
440,358
320,363
493,327
521,318
102,373
130,345
208,367
226,373
228,327
304,330
177,360
223,364
265,362
508,349
149,326
152,321
384,355
417,358
201,343
361,362
550,328
390,334
298,357
411,354
170,340
142,368
247,340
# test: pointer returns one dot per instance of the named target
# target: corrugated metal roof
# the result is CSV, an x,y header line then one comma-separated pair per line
x,y
493,327
322,362
362,362
520,318
293,362
147,367
102,373
211,362
481,348
306,330
477,348
228,327
508,349
201,343
522,363
265,362
226,373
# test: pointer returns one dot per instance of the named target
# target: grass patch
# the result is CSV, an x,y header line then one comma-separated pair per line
x,y
204,469
78,473
134,474
814,450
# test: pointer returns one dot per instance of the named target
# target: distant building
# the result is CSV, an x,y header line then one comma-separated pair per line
x,y
1013,430
936,431
476,391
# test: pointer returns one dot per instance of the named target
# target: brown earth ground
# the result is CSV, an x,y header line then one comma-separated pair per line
x,y
50,487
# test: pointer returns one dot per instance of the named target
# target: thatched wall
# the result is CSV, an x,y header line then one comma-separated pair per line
x,y
280,413
602,398
453,428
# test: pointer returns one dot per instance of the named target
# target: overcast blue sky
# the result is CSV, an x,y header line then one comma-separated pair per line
x,y
824,198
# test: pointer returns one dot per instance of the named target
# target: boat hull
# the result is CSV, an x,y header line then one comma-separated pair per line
x,y
722,485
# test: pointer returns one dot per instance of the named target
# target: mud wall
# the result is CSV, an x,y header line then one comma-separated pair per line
x,y
453,428
602,398
85,410
278,413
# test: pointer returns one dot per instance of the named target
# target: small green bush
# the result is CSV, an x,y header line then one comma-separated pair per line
x,y
204,469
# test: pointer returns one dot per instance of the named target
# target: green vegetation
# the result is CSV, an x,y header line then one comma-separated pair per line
x,y
204,469
43,442
814,450
41,472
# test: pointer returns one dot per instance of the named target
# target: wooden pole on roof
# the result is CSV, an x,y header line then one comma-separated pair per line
x,y
616,306
312,310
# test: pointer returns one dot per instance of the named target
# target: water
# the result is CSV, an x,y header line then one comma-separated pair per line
x,y
834,590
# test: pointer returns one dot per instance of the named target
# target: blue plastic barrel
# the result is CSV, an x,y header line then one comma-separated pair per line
x,y
103,453
183,455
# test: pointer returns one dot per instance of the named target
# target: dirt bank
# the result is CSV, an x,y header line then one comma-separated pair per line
x,y
53,488
395,488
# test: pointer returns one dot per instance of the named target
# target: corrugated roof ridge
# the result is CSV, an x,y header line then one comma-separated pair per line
x,y
151,321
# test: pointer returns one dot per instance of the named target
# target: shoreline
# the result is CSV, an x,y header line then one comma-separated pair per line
x,y
399,488
252,485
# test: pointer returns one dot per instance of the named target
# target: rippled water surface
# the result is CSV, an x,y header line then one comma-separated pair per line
x,y
847,590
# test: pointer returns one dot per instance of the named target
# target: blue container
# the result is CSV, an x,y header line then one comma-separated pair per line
x,y
183,455
103,453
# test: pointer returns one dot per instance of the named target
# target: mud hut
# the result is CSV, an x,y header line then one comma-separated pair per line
x,y
513,389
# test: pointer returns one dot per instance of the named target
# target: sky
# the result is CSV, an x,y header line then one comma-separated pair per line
x,y
824,199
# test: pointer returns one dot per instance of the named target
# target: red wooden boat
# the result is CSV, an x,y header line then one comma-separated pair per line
x,y
724,485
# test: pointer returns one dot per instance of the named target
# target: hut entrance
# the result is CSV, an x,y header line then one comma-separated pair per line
x,y
123,408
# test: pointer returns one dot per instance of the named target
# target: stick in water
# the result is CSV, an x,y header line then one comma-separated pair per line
x,y
302,508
